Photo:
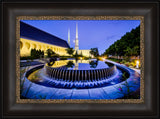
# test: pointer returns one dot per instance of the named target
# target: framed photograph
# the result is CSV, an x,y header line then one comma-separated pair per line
x,y
97,68
80,59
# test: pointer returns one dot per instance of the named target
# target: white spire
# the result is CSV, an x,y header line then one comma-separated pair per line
x,y
76,41
69,37
76,30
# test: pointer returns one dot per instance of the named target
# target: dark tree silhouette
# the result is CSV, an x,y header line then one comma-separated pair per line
x,y
50,53
128,45
94,52
70,51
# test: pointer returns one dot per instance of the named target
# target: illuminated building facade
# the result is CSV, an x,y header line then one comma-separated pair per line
x,y
80,52
34,38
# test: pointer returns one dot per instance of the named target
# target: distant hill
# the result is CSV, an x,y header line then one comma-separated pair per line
x,y
128,45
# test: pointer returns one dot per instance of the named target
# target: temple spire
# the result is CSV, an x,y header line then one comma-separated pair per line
x,y
69,37
76,31
76,41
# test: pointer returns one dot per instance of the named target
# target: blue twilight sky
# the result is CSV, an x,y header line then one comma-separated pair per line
x,y
91,33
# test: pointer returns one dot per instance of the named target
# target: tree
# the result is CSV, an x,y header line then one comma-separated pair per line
x,y
128,45
116,50
81,54
128,51
50,53
76,54
136,51
70,51
94,52
36,53
33,53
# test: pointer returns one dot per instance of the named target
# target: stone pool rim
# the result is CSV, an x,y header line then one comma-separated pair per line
x,y
88,74
132,73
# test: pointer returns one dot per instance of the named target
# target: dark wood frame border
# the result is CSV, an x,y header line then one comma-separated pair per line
x,y
18,18
147,9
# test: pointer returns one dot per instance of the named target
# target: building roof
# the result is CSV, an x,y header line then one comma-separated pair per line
x,y
33,33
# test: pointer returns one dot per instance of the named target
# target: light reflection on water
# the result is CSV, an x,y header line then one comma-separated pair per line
x,y
79,64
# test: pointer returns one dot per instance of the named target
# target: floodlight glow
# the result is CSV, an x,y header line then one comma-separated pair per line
x,y
137,64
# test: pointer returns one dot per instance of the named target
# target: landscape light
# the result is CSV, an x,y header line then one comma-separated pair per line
x,y
103,58
92,56
137,64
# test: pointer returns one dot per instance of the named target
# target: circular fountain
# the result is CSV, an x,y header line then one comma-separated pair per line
x,y
77,74
84,78
80,72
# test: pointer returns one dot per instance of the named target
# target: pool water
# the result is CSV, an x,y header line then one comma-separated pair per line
x,y
79,65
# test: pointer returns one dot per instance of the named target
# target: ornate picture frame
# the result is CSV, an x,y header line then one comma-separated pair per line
x,y
141,18
146,105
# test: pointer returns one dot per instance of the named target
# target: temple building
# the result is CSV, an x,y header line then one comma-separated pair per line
x,y
80,51
32,37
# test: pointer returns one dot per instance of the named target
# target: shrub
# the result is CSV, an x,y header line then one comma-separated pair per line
x,y
50,53
36,54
